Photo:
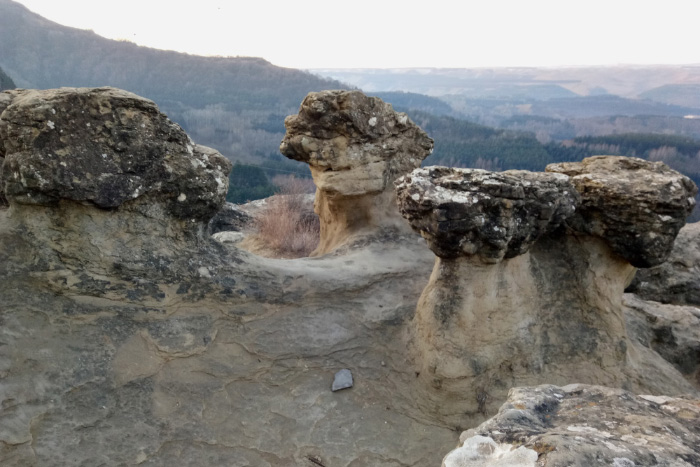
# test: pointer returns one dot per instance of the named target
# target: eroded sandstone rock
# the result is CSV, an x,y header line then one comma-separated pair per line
x,y
356,146
579,425
104,147
672,331
100,176
676,281
637,206
493,215
522,292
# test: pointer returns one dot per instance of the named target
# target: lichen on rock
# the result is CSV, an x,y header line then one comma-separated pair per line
x,y
530,272
493,215
105,147
102,177
356,146
636,206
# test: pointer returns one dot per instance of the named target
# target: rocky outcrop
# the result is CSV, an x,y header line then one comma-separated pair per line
x,y
356,146
485,214
230,218
677,280
101,176
579,425
5,100
672,331
522,292
129,337
642,231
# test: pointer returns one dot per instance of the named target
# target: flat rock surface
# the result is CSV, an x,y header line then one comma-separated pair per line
x,y
225,366
580,425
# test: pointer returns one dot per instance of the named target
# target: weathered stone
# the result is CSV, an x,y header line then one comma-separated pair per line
x,y
676,281
101,177
342,380
229,218
672,331
518,294
579,425
465,212
356,147
5,99
228,236
482,451
106,147
637,206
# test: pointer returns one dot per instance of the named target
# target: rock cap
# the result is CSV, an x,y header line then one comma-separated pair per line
x,y
105,147
636,206
492,215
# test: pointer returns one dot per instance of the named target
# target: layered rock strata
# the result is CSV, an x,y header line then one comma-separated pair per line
x,y
522,293
579,425
356,146
101,176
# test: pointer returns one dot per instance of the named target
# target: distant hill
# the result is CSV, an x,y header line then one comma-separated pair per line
x,y
222,102
5,81
519,82
677,94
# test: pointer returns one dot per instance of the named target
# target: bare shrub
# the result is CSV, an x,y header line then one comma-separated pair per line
x,y
287,227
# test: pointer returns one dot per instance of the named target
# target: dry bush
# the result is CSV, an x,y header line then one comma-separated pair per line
x,y
287,226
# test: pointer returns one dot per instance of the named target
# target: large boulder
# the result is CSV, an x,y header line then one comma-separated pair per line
x,y
356,146
465,212
522,292
579,425
641,231
105,147
677,280
100,175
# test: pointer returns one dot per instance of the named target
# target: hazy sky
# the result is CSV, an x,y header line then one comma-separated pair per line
x,y
388,33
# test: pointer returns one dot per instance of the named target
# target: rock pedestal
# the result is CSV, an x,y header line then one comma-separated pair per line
x,y
100,176
523,292
356,146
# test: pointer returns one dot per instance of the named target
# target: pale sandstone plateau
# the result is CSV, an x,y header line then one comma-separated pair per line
x,y
483,316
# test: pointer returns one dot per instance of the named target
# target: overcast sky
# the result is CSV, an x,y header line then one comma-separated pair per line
x,y
388,33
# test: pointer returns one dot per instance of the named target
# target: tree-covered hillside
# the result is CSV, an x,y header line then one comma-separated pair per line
x,y
226,103
5,81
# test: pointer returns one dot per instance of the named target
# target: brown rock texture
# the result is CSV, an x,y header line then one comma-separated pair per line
x,y
637,206
580,425
356,146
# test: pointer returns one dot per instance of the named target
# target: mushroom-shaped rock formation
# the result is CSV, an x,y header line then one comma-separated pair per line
x,y
637,206
356,146
102,176
518,295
